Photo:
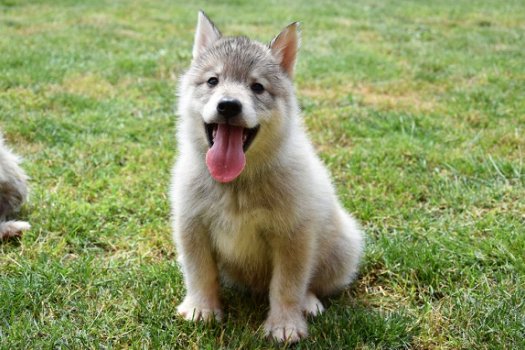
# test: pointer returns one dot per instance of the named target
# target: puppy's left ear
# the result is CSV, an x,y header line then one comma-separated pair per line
x,y
284,47
205,34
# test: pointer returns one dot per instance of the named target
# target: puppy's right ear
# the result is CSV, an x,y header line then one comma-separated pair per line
x,y
205,35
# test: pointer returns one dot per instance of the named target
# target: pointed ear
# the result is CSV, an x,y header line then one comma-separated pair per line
x,y
205,34
284,47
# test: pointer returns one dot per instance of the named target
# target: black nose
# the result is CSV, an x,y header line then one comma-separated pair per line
x,y
229,107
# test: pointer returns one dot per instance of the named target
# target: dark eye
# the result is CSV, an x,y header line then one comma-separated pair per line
x,y
257,88
213,81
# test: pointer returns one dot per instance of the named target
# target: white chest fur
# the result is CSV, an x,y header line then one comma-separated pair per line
x,y
240,238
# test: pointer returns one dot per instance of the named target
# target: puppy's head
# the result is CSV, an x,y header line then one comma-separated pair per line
x,y
237,96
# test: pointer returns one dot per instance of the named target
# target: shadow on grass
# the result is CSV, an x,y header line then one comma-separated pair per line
x,y
9,243
347,323
127,303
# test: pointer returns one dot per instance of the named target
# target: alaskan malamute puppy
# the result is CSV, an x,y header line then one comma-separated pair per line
x,y
252,203
13,192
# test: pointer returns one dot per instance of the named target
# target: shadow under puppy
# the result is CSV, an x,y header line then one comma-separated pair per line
x,y
252,203
13,192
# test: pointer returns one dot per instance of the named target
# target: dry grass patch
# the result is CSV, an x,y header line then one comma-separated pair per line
x,y
89,85
395,96
399,95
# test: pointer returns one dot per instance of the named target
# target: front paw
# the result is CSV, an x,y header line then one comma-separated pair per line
x,y
13,228
286,328
192,310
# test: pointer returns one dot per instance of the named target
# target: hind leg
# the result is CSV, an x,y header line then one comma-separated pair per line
x,y
339,256
311,305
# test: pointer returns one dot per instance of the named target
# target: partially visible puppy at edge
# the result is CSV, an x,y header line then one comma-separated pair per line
x,y
13,192
253,205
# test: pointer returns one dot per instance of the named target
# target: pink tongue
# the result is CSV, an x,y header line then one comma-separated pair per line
x,y
225,159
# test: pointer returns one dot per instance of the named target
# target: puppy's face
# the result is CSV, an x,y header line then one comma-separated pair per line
x,y
237,91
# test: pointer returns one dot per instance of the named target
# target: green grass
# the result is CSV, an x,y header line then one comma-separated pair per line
x,y
417,109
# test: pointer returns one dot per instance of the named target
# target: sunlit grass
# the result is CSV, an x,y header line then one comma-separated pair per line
x,y
417,109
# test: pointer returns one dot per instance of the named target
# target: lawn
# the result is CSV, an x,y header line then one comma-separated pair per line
x,y
418,110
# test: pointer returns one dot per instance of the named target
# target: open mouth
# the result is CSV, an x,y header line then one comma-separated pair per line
x,y
228,143
248,135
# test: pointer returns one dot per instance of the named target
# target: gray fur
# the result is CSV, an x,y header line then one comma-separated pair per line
x,y
278,228
13,192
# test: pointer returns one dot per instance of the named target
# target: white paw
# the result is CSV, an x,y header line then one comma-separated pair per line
x,y
312,306
13,228
194,311
286,329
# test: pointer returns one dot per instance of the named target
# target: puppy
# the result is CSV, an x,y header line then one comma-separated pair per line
x,y
13,192
252,203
